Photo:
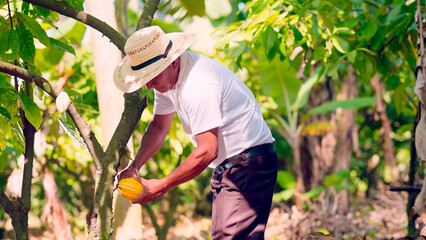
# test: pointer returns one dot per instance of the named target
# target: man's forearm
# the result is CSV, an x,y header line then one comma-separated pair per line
x,y
152,139
193,166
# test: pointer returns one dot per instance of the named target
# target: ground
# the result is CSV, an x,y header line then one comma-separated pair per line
x,y
381,217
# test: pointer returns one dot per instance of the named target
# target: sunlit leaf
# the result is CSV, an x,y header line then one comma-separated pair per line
x,y
340,44
5,113
315,192
352,104
26,43
278,79
72,30
63,46
305,90
69,130
34,27
53,55
236,48
9,45
269,38
76,3
283,195
32,112
175,143
285,179
194,7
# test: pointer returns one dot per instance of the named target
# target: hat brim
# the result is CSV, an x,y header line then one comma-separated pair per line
x,y
128,80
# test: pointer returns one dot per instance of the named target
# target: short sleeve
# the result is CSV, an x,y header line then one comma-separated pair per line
x,y
162,104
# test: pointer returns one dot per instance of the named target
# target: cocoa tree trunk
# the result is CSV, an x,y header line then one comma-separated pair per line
x,y
345,125
127,221
419,208
386,129
318,149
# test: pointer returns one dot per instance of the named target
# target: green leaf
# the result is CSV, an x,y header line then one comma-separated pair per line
x,y
34,27
343,174
82,107
399,99
5,113
369,30
194,7
393,13
26,45
340,44
77,4
332,180
354,21
283,195
42,11
392,82
236,48
63,46
285,179
315,192
72,30
46,86
279,77
269,38
32,112
332,71
352,56
146,92
305,89
297,34
9,45
365,65
53,55
344,31
352,104
69,129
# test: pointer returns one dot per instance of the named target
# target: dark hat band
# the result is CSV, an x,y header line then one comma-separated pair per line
x,y
154,59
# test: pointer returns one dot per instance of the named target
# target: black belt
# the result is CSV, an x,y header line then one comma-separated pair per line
x,y
252,152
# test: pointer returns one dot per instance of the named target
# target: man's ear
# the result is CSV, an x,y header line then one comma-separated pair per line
x,y
176,63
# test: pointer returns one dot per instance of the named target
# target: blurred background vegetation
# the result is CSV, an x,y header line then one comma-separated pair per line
x,y
334,79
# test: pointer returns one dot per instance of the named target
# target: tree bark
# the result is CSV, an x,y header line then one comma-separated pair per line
x,y
345,125
386,129
127,221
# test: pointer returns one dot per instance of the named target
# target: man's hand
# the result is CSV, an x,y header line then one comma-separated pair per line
x,y
152,190
130,172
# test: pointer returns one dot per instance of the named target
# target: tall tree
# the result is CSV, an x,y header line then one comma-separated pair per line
x,y
127,217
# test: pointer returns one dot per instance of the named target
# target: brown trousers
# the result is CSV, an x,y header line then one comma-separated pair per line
x,y
242,197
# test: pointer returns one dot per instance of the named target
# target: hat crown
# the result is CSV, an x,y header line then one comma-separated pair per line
x,y
146,44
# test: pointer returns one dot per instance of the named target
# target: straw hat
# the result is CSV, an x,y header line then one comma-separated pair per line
x,y
148,52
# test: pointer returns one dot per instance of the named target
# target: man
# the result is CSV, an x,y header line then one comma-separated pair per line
x,y
223,118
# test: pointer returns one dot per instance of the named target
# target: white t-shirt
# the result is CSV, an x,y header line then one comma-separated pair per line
x,y
209,95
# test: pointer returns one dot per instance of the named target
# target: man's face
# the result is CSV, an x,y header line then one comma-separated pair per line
x,y
164,81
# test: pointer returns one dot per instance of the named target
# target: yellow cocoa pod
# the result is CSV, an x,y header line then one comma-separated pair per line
x,y
129,188
62,102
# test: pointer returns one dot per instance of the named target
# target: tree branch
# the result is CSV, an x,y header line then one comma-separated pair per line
x,y
28,76
147,14
5,203
88,136
62,7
